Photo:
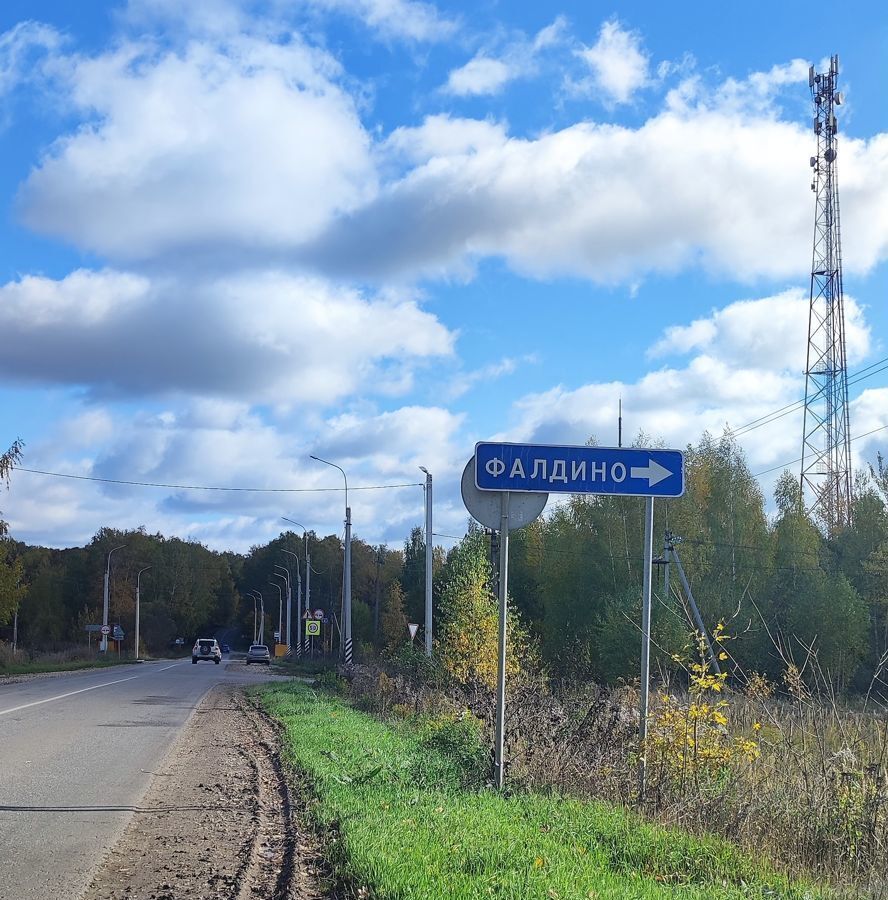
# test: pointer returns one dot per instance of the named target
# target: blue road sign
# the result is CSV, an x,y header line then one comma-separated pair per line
x,y
622,471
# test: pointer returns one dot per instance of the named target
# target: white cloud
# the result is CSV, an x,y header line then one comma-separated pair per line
x,y
481,75
759,332
406,19
246,143
264,337
443,136
489,71
618,62
696,187
466,381
18,48
234,447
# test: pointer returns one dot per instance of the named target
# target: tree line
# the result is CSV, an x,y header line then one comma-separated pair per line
x,y
788,593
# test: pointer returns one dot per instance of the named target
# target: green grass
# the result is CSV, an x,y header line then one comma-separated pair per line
x,y
37,667
406,825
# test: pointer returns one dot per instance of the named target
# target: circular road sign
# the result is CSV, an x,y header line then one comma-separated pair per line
x,y
485,506
319,614
106,629
312,627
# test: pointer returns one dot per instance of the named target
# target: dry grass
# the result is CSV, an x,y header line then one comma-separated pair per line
x,y
812,796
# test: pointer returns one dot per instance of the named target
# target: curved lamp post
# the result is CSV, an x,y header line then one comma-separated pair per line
x,y
346,575
103,647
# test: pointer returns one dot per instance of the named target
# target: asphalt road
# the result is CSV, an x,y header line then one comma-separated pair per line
x,y
77,753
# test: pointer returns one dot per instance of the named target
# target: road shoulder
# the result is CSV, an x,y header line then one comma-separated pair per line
x,y
218,819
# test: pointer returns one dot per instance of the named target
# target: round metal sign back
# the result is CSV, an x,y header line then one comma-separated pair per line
x,y
486,506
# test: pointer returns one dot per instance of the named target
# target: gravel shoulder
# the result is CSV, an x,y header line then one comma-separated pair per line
x,y
218,820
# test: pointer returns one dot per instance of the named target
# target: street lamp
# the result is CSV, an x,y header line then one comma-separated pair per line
x,y
346,575
428,554
138,579
286,579
280,610
103,646
300,639
258,628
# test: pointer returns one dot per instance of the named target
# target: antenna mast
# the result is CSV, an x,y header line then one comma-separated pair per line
x,y
826,443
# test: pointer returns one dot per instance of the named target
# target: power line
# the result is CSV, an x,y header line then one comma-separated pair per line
x,y
792,462
212,487
774,415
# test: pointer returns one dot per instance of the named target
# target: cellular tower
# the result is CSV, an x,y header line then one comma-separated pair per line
x,y
826,439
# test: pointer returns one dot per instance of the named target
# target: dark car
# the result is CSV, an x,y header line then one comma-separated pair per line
x,y
226,648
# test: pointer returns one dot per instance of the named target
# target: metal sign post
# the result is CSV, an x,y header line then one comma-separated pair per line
x,y
511,483
498,765
645,643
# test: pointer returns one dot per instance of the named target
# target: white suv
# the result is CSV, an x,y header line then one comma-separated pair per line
x,y
208,649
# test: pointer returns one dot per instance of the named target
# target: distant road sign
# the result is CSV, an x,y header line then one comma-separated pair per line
x,y
620,471
93,628
312,627
106,629
319,614
412,628
118,633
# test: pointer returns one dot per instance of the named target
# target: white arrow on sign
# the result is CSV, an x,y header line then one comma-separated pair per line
x,y
653,471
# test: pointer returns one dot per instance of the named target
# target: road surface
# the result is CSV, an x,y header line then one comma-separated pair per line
x,y
78,753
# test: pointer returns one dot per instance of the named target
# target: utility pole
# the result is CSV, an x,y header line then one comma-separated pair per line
x,y
826,433
379,552
138,583
428,561
671,552
346,574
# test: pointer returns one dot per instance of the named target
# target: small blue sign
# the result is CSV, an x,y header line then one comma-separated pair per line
x,y
620,471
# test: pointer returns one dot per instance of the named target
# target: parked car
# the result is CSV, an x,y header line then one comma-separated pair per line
x,y
208,649
258,653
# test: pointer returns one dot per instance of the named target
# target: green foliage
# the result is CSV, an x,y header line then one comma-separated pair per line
x,y
468,633
393,618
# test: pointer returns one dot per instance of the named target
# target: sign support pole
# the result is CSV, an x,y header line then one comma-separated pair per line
x,y
499,766
645,644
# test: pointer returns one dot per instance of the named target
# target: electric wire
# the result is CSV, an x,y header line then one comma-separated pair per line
x,y
213,487
774,415
792,462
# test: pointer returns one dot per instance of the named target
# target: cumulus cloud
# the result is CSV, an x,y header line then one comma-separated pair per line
x,y
266,337
19,47
246,141
697,187
758,332
488,72
405,19
618,63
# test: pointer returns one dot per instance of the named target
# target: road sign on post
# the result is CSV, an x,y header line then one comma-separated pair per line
x,y
509,471
622,471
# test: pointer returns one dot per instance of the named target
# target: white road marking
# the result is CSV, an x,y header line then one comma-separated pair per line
x,y
173,666
4,712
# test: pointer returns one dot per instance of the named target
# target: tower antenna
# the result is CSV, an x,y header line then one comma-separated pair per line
x,y
826,438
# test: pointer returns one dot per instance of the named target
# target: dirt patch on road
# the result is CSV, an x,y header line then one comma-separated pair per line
x,y
218,822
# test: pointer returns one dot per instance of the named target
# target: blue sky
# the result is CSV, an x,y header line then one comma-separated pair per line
x,y
380,230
